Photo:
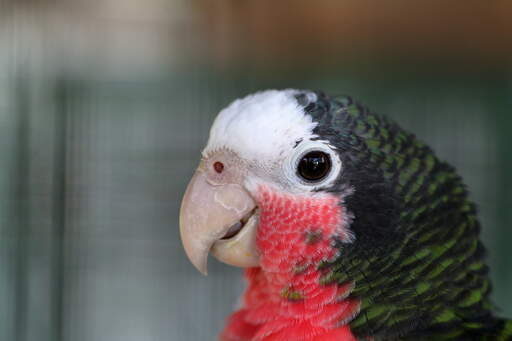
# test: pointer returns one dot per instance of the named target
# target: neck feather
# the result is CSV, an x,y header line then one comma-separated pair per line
x,y
286,299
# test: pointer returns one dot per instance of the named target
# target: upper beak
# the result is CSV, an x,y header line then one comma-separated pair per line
x,y
207,213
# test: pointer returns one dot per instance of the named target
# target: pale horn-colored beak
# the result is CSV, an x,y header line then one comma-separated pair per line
x,y
220,218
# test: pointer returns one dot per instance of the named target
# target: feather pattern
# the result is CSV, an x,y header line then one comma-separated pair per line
x,y
418,263
389,249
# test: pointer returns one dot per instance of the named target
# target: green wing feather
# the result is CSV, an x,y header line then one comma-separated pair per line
x,y
432,282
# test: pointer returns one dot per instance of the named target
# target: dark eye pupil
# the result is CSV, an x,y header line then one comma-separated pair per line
x,y
314,166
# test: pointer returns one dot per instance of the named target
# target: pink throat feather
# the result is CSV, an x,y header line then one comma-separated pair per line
x,y
285,299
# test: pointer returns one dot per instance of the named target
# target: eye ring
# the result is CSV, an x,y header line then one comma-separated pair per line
x,y
314,166
294,178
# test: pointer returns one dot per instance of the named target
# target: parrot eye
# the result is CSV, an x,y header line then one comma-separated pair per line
x,y
314,166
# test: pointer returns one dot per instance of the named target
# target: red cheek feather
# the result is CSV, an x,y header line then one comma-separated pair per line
x,y
285,299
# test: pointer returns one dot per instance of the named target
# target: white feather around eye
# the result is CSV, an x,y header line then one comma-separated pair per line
x,y
271,132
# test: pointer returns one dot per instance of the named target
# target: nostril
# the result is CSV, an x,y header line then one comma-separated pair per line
x,y
218,166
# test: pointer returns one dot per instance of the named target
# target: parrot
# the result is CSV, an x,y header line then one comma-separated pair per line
x,y
348,226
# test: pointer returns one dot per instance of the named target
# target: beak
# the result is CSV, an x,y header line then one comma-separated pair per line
x,y
218,218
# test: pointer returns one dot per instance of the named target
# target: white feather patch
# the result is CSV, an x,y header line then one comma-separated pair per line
x,y
262,127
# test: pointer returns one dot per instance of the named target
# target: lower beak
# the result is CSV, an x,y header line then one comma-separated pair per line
x,y
220,218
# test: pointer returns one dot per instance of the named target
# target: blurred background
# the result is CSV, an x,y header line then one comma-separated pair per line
x,y
106,104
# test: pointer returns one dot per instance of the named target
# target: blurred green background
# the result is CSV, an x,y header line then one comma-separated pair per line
x,y
105,106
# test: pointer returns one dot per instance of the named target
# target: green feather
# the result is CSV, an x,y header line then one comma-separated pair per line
x,y
430,281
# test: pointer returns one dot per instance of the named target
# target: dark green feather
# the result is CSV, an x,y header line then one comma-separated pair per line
x,y
417,262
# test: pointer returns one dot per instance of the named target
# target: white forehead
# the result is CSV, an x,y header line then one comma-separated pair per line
x,y
263,126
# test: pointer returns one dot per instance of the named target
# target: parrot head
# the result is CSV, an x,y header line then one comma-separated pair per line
x,y
348,225
265,155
